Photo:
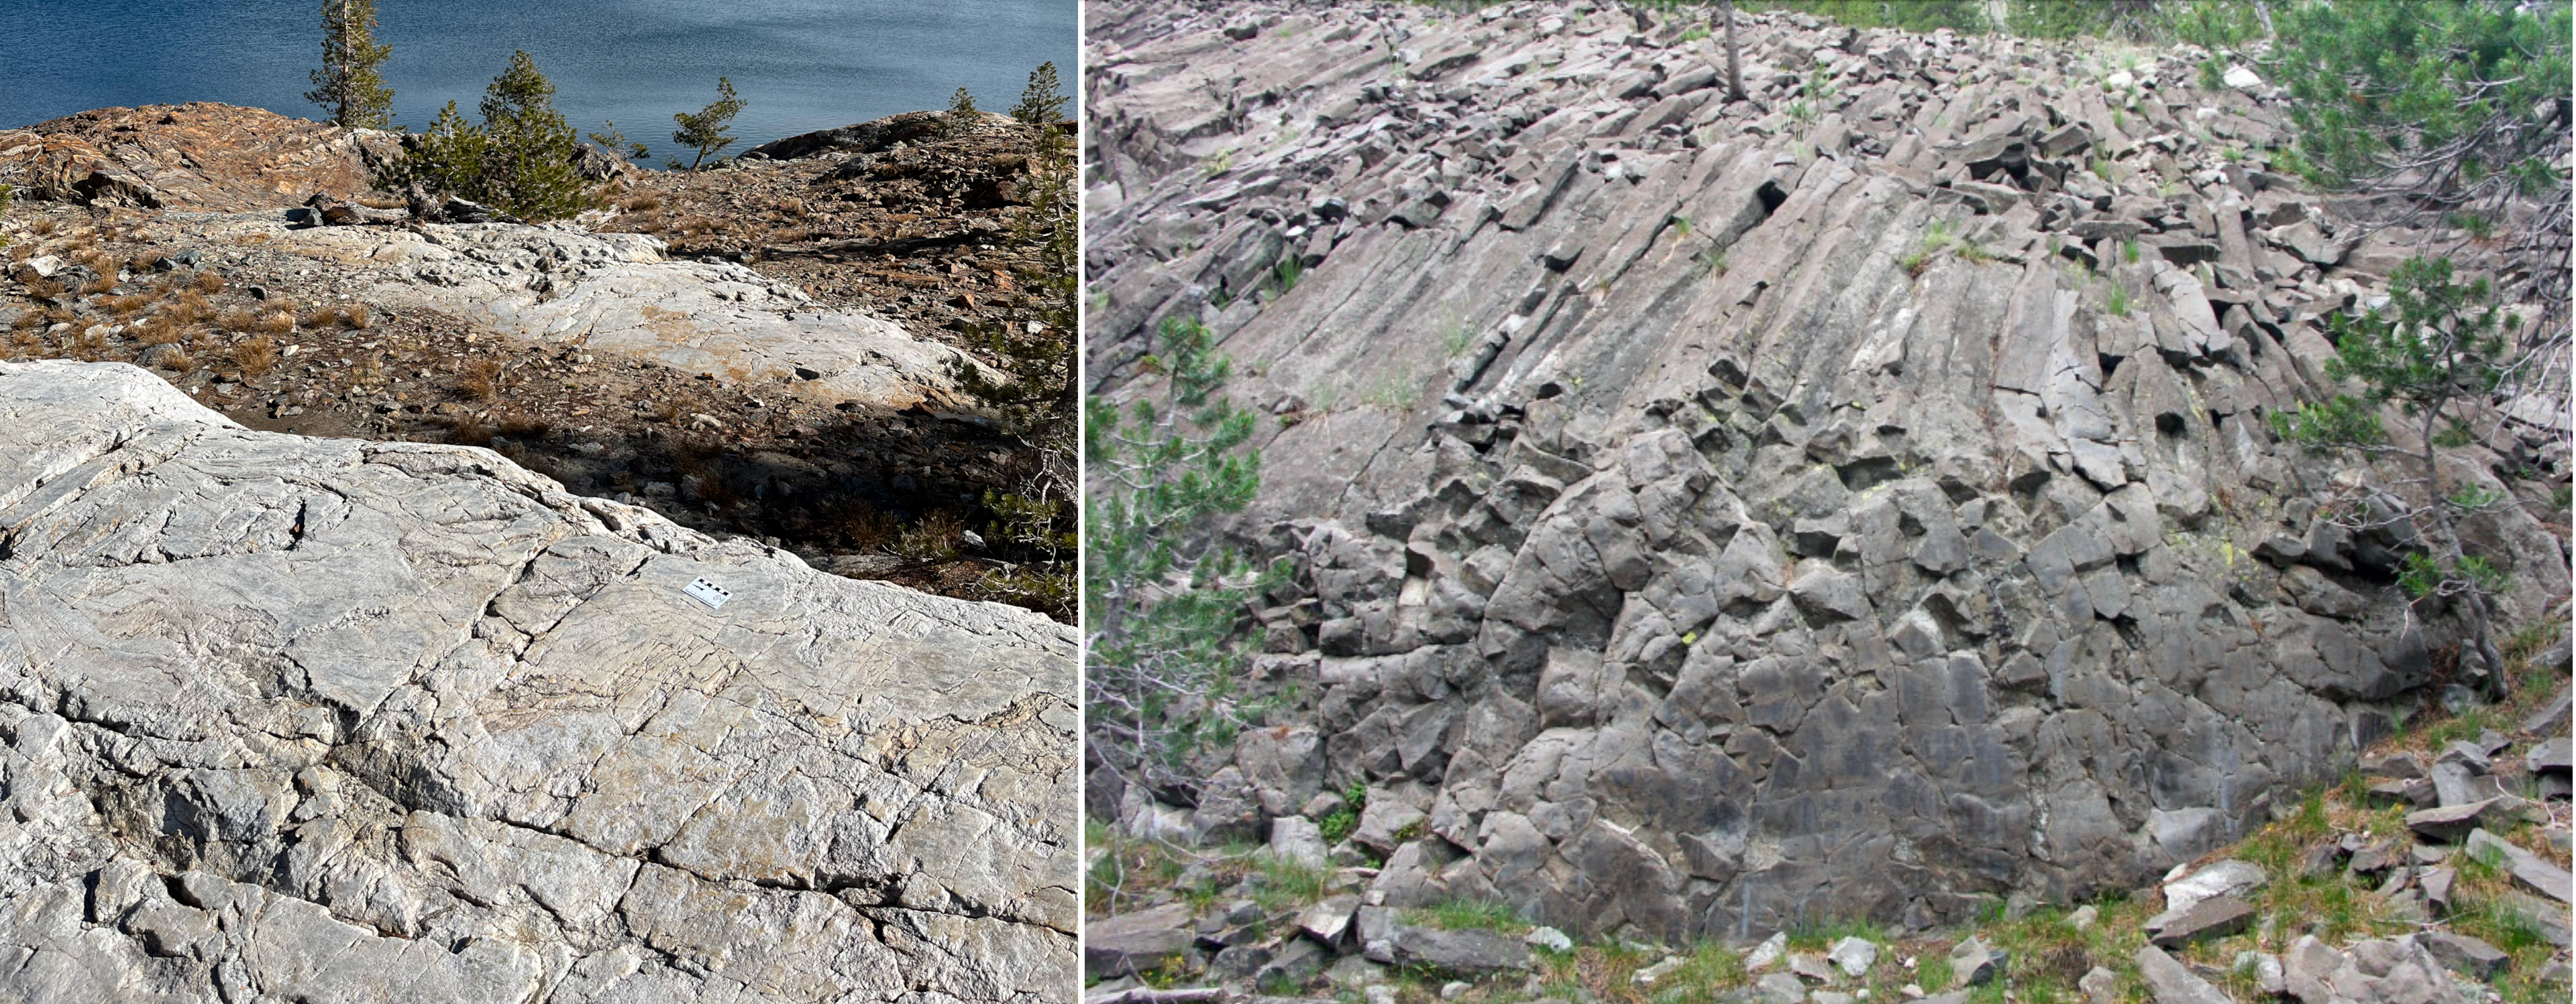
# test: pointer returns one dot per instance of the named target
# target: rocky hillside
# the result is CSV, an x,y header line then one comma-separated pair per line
x,y
2390,886
1712,518
293,718
676,349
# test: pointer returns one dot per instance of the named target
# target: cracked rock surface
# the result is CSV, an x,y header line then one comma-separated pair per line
x,y
334,720
616,294
1713,516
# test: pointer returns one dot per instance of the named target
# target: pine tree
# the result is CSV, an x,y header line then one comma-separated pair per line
x,y
1159,603
961,113
705,130
528,171
1034,346
348,83
1044,101
2447,112
2439,357
519,160
614,141
448,158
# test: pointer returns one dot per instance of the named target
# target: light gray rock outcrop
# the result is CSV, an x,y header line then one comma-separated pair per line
x,y
616,294
309,719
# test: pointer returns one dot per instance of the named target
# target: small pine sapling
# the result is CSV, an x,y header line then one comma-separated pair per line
x,y
704,130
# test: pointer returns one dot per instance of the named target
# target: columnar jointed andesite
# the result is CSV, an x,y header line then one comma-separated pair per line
x,y
1709,517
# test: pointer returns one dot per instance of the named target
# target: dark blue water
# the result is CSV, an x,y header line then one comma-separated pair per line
x,y
802,64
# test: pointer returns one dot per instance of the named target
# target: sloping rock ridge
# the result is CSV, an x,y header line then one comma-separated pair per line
x,y
1710,516
308,719
201,155
617,294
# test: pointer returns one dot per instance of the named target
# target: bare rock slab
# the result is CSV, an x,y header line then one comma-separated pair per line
x,y
1470,952
292,717
2171,982
2215,917
1139,942
2529,870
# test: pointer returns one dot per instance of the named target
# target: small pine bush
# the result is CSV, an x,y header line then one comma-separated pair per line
x,y
519,160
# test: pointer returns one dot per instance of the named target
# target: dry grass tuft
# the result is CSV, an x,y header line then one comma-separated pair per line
x,y
482,380
189,308
236,319
160,330
210,282
256,356
867,529
277,322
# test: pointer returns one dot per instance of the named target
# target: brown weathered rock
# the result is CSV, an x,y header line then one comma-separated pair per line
x,y
200,155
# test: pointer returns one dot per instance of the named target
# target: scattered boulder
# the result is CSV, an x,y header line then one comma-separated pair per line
x,y
2531,871
2215,917
1974,963
2465,955
1853,956
1470,952
1137,943
2171,983
2225,878
2451,823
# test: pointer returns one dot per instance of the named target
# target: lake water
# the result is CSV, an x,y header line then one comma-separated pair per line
x,y
802,64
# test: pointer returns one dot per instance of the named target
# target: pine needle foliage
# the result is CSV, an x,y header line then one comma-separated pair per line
x,y
1044,100
962,115
518,160
2445,109
2437,355
1159,600
1034,394
704,130
350,83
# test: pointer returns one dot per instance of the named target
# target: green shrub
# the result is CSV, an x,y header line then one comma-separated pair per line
x,y
1044,100
704,130
518,160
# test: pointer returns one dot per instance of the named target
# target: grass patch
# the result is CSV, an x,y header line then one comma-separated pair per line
x,y
1280,883
1473,914
1456,337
